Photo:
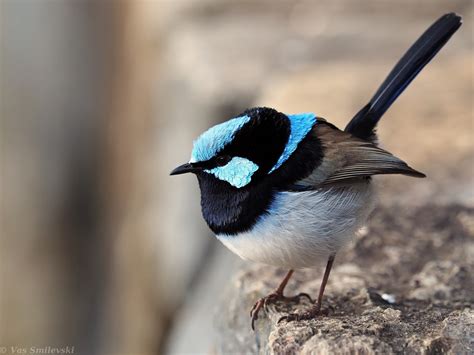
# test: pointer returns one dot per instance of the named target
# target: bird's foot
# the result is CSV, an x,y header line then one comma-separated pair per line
x,y
273,298
310,314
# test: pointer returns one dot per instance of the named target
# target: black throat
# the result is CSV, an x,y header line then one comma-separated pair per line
x,y
230,210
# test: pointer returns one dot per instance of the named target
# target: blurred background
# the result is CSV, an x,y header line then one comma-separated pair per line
x,y
100,248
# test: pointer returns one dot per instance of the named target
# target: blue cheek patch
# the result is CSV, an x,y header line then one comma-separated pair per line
x,y
237,172
300,125
215,138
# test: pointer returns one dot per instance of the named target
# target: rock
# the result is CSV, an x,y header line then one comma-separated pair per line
x,y
405,285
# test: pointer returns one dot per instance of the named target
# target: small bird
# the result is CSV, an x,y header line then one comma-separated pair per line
x,y
290,190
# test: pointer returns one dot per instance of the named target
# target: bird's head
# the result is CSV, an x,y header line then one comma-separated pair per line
x,y
247,148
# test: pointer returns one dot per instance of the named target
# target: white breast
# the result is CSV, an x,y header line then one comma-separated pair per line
x,y
304,228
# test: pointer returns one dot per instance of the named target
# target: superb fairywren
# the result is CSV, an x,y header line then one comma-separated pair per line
x,y
290,190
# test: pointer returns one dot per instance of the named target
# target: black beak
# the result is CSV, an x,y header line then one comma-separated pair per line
x,y
185,168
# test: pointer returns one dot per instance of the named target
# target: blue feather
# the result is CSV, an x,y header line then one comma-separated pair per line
x,y
300,125
238,172
208,144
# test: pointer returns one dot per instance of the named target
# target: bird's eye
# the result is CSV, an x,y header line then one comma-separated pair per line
x,y
222,160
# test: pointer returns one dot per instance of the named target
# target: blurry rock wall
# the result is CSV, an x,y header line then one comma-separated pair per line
x,y
100,100
53,264
76,266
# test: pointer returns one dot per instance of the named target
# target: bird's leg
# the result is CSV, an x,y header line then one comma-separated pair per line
x,y
276,295
316,309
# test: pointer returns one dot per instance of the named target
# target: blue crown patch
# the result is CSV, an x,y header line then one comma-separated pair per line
x,y
208,144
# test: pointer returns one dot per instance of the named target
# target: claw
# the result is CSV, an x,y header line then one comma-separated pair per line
x,y
271,298
297,317
254,311
289,318
253,308
264,302
303,294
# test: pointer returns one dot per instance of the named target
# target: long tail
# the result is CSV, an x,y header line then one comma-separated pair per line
x,y
420,53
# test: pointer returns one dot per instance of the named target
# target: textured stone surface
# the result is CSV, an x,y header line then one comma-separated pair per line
x,y
423,258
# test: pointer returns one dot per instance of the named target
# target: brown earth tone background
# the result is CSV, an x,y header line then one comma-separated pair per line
x,y
102,250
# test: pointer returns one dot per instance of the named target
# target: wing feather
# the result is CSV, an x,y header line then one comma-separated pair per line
x,y
347,157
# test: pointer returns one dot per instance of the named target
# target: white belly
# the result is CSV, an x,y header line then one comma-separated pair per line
x,y
304,228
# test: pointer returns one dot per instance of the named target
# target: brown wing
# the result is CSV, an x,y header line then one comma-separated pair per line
x,y
347,157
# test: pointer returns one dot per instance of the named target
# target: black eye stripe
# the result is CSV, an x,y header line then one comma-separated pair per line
x,y
222,160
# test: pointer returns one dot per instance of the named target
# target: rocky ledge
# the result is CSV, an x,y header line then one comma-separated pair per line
x,y
405,285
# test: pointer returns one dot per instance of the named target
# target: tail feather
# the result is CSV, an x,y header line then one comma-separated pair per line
x,y
420,53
